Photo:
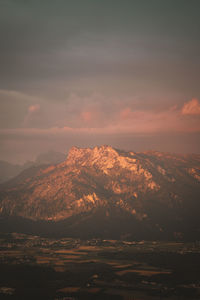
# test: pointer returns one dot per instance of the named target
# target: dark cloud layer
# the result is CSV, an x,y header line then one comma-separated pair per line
x,y
119,66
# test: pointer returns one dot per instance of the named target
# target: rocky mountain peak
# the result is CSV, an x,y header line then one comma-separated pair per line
x,y
108,160
85,156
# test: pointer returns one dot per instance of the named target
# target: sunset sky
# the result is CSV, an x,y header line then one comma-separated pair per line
x,y
89,72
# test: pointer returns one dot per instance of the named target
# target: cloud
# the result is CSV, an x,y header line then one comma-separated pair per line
x,y
126,113
191,107
151,121
93,118
33,108
15,105
87,116
17,96
32,112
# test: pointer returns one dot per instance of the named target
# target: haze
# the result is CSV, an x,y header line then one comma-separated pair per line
x,y
85,73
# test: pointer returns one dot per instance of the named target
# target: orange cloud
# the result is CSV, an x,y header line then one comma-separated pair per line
x,y
32,111
191,107
33,108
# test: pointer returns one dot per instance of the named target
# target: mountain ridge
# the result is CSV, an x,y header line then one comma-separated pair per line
x,y
153,189
9,170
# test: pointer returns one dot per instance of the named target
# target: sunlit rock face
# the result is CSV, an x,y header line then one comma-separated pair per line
x,y
148,186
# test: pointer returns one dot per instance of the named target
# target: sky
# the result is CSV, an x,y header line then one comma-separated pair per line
x,y
119,72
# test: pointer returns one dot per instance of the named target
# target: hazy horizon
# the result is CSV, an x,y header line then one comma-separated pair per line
x,y
86,73
34,157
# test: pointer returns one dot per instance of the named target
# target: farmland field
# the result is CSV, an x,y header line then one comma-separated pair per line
x,y
67,269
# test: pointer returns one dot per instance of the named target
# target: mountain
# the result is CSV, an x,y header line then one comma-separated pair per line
x,y
50,157
8,170
110,193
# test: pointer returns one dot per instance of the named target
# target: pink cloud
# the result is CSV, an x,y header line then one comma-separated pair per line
x,y
91,118
87,116
93,121
191,107
126,113
156,121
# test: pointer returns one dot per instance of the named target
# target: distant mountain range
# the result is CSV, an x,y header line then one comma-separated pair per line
x,y
106,192
8,170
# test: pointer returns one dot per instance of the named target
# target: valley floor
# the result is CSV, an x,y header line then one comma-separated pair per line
x,y
70,269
